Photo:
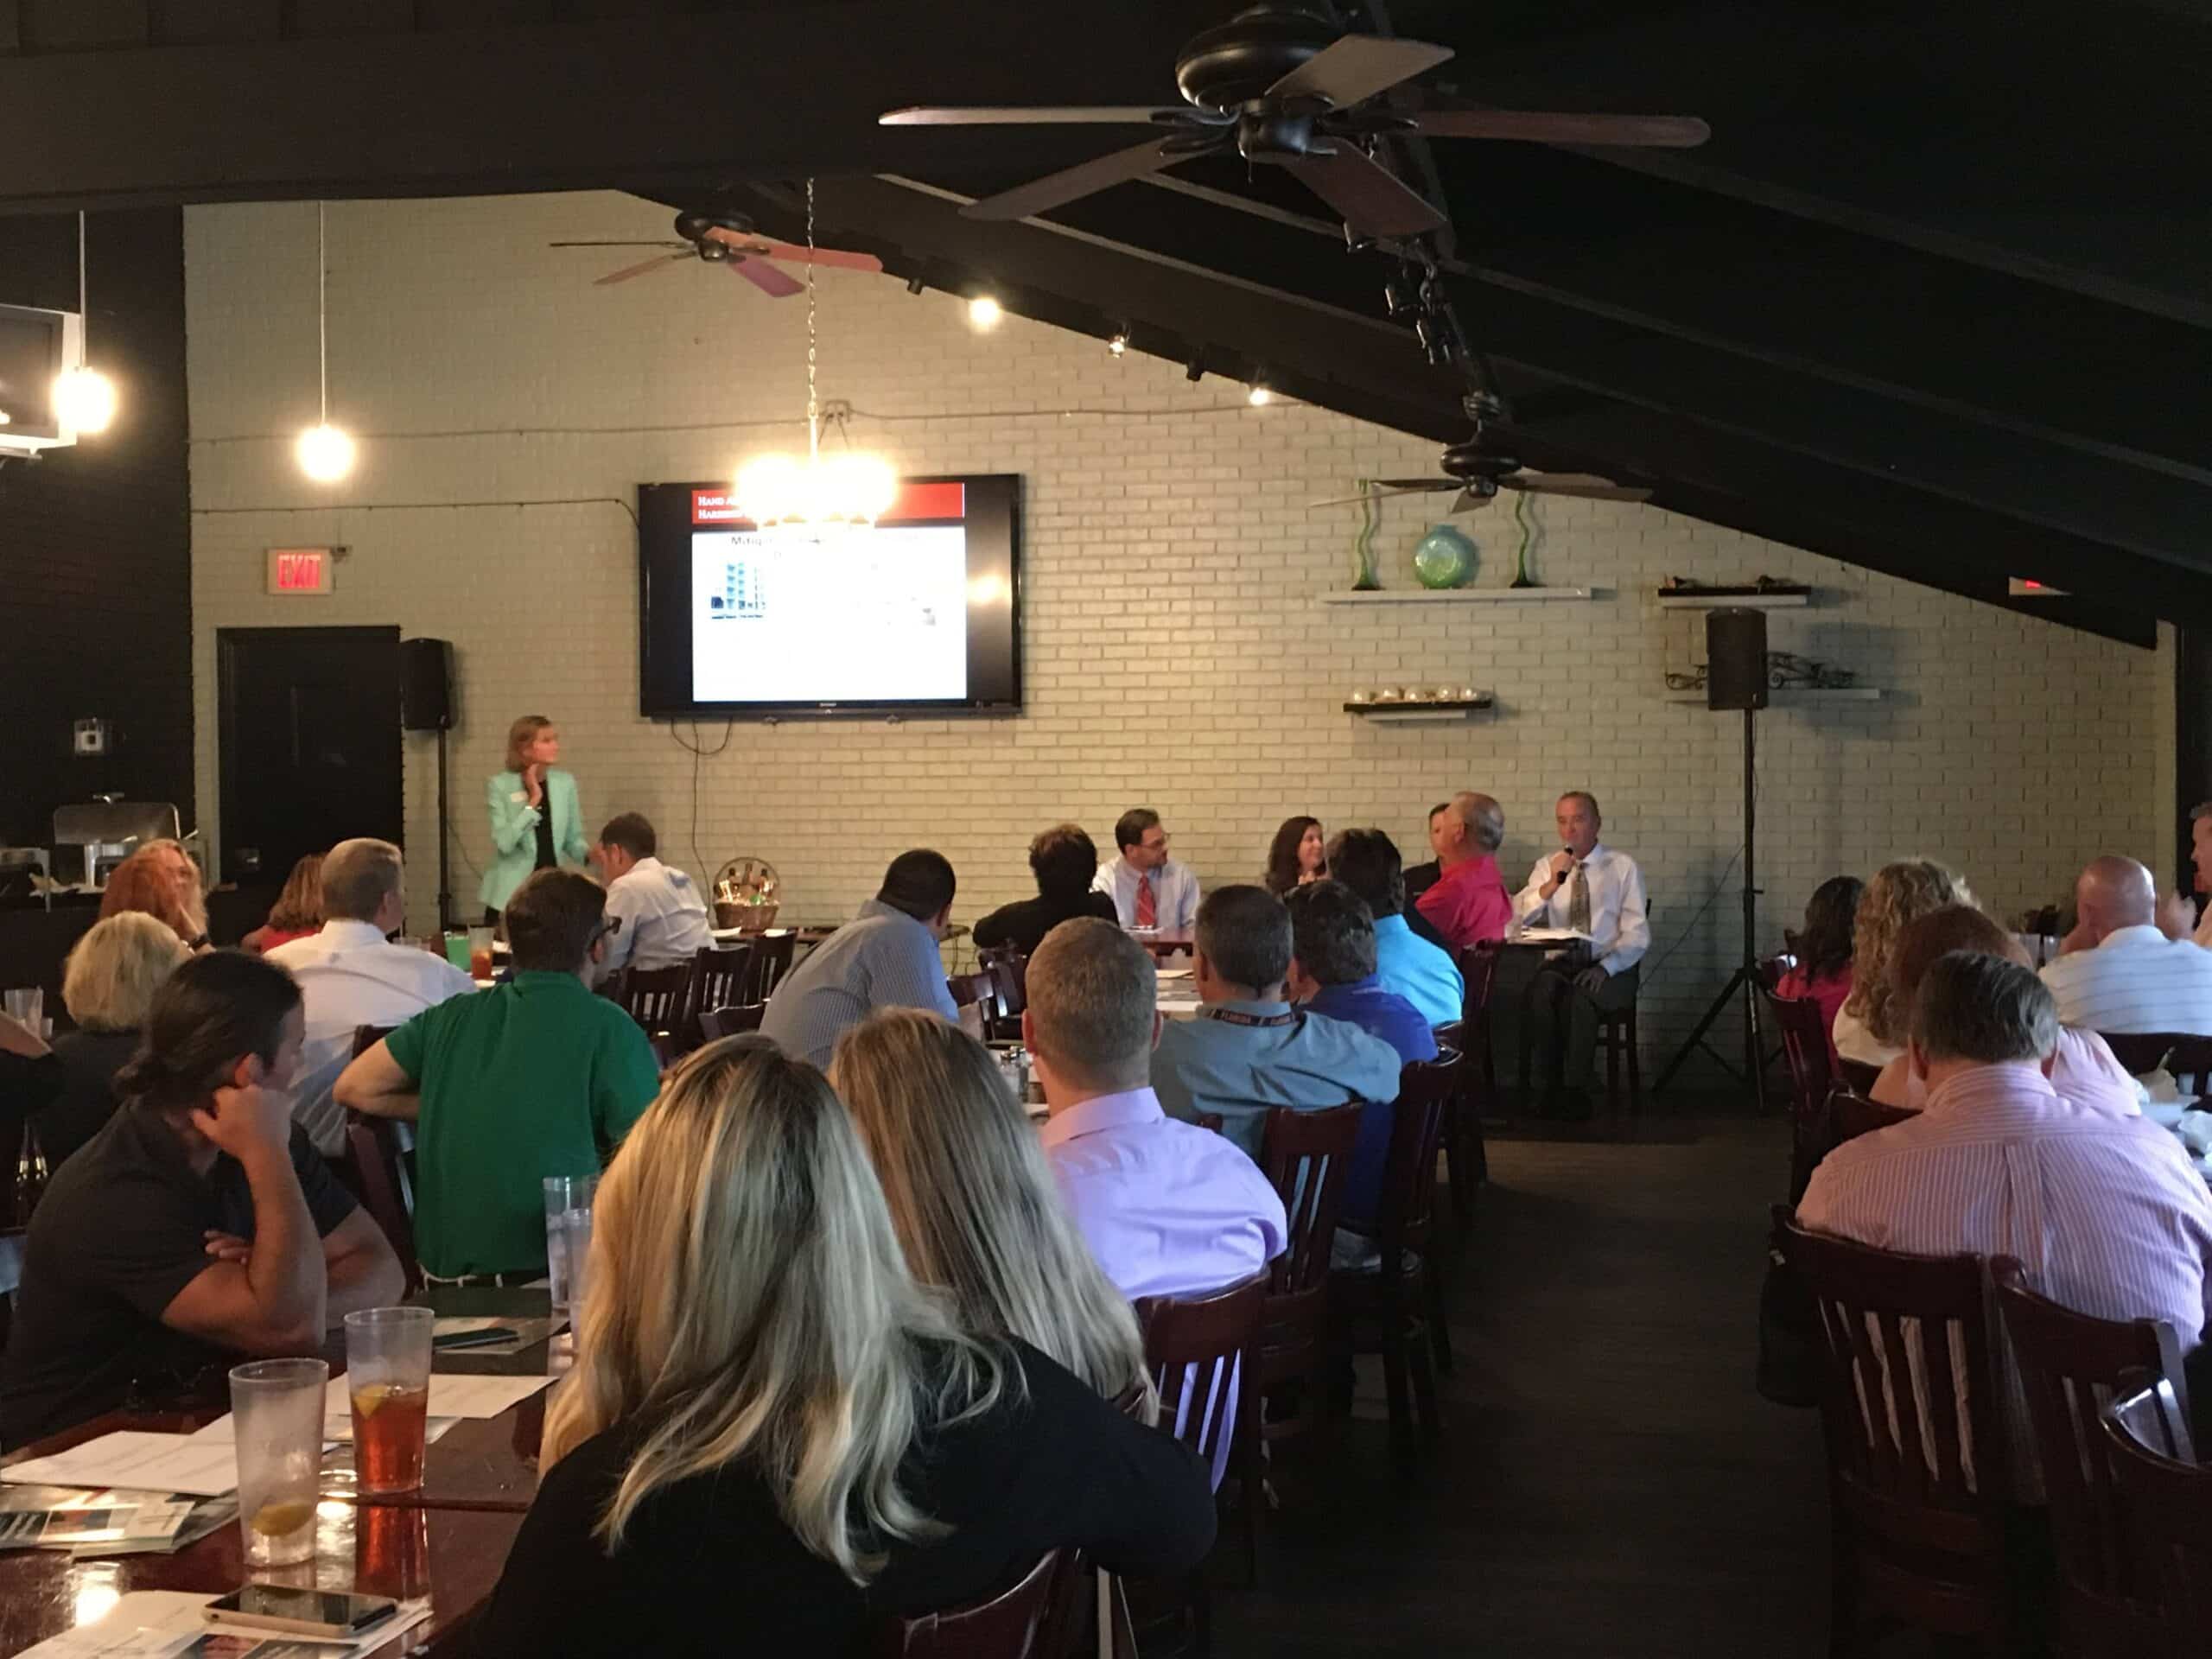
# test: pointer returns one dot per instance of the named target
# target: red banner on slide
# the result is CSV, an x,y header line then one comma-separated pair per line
x,y
945,501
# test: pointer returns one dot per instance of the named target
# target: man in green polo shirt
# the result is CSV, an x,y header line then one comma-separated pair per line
x,y
534,1078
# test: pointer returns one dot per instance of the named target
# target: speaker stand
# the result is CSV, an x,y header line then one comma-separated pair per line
x,y
1745,980
445,852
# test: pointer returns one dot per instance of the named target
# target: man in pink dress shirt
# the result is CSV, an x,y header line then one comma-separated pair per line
x,y
1468,902
1168,1209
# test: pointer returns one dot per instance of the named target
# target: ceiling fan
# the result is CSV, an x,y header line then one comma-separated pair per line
x,y
729,239
1478,468
1281,85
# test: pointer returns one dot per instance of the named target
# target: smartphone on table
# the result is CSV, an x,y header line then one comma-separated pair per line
x,y
302,1613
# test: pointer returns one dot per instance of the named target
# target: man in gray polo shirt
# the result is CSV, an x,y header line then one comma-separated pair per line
x,y
886,958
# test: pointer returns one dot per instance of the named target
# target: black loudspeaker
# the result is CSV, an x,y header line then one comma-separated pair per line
x,y
426,684
1735,660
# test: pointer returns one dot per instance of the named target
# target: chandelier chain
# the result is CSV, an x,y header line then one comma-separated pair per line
x,y
322,312
813,402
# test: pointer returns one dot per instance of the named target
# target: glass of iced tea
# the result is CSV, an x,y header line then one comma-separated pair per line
x,y
388,1378
479,953
276,1407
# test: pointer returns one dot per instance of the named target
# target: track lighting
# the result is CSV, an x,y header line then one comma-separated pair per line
x,y
1120,342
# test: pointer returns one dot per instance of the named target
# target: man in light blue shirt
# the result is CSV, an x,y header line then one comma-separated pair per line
x,y
1149,888
886,958
1366,860
1248,1050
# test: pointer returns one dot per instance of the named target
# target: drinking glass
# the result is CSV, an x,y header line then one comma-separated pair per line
x,y
26,1006
388,1377
479,953
457,948
568,1237
276,1411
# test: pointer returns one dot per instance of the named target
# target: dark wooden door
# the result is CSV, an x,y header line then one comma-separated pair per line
x,y
308,744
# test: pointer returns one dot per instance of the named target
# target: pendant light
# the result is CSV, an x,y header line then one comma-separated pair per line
x,y
325,453
83,398
813,492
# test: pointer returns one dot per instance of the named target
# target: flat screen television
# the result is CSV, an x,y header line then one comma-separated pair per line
x,y
923,613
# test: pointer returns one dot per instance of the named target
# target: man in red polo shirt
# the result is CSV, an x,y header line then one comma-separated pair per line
x,y
1469,901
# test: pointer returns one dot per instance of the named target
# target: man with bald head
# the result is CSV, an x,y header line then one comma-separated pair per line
x,y
2120,972
1468,903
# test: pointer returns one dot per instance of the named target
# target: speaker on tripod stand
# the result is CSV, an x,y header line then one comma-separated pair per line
x,y
1735,678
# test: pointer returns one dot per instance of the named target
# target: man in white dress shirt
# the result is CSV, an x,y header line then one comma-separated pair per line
x,y
2118,971
660,920
350,974
1597,892
1149,888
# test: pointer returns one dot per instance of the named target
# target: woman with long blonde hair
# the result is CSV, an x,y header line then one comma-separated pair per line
x,y
773,1439
974,1206
1870,1027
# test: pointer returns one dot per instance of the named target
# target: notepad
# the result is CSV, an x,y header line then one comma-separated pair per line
x,y
137,1461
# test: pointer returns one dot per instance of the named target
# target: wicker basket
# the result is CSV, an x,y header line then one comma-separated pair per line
x,y
746,919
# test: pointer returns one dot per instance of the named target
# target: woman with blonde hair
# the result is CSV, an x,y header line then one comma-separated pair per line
x,y
297,913
160,879
1871,1026
773,1438
976,1209
108,984
538,822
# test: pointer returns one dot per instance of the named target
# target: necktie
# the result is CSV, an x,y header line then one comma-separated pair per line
x,y
1578,900
1148,906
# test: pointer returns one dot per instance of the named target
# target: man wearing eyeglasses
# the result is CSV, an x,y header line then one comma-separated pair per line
x,y
1149,889
534,1078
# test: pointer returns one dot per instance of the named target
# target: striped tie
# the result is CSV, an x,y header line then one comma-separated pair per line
x,y
1148,906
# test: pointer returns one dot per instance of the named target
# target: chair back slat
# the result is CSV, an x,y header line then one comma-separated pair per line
x,y
658,999
2165,1500
975,991
1805,1052
2071,1366
1857,1075
380,1174
1426,1088
771,960
722,973
1908,1393
1478,972
2187,1057
1195,1349
1010,967
734,1021
1306,1155
1014,1625
1850,1115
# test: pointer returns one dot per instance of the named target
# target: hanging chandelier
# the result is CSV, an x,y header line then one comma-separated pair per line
x,y
813,492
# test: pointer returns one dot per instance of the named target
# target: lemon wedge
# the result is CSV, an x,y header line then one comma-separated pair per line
x,y
366,1400
286,1515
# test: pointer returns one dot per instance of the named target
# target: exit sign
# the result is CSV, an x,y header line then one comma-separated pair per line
x,y
300,570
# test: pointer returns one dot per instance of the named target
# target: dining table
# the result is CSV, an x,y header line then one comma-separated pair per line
x,y
447,1542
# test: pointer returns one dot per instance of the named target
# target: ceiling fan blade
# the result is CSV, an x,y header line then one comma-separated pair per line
x,y
1468,501
1540,127
1083,178
618,245
1567,484
769,246
996,115
1409,488
1366,195
641,268
1356,68
776,284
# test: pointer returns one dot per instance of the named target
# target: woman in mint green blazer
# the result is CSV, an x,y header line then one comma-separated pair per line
x,y
537,823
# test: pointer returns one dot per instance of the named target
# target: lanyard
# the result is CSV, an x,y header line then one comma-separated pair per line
x,y
1237,1017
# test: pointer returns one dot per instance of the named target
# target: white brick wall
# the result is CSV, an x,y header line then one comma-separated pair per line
x,y
1176,653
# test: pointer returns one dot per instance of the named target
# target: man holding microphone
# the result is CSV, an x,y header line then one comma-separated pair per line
x,y
1594,891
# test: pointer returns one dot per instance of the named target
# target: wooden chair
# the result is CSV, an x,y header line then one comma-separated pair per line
x,y
380,1179
1018,1623
1198,1350
771,960
1805,1050
2072,1366
658,999
2164,1499
719,983
1851,1115
1009,969
1771,969
1466,1156
717,1023
1396,1307
2187,1057
1857,1075
1919,1476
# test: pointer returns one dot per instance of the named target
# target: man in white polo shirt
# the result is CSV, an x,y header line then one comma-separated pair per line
x,y
659,920
349,975
2119,972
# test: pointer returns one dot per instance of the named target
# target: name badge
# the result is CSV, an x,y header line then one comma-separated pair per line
x,y
519,795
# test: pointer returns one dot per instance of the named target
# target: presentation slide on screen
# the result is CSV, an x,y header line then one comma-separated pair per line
x,y
875,617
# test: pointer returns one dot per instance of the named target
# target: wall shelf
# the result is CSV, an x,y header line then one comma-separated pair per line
x,y
1800,694
1746,598
1458,595
1408,713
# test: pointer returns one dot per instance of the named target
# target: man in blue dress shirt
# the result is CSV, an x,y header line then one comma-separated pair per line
x,y
1248,1050
1366,860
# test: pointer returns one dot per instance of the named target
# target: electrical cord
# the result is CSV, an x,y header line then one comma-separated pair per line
x,y
699,752
425,506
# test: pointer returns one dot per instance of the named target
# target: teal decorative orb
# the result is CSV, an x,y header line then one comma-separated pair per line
x,y
1444,558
